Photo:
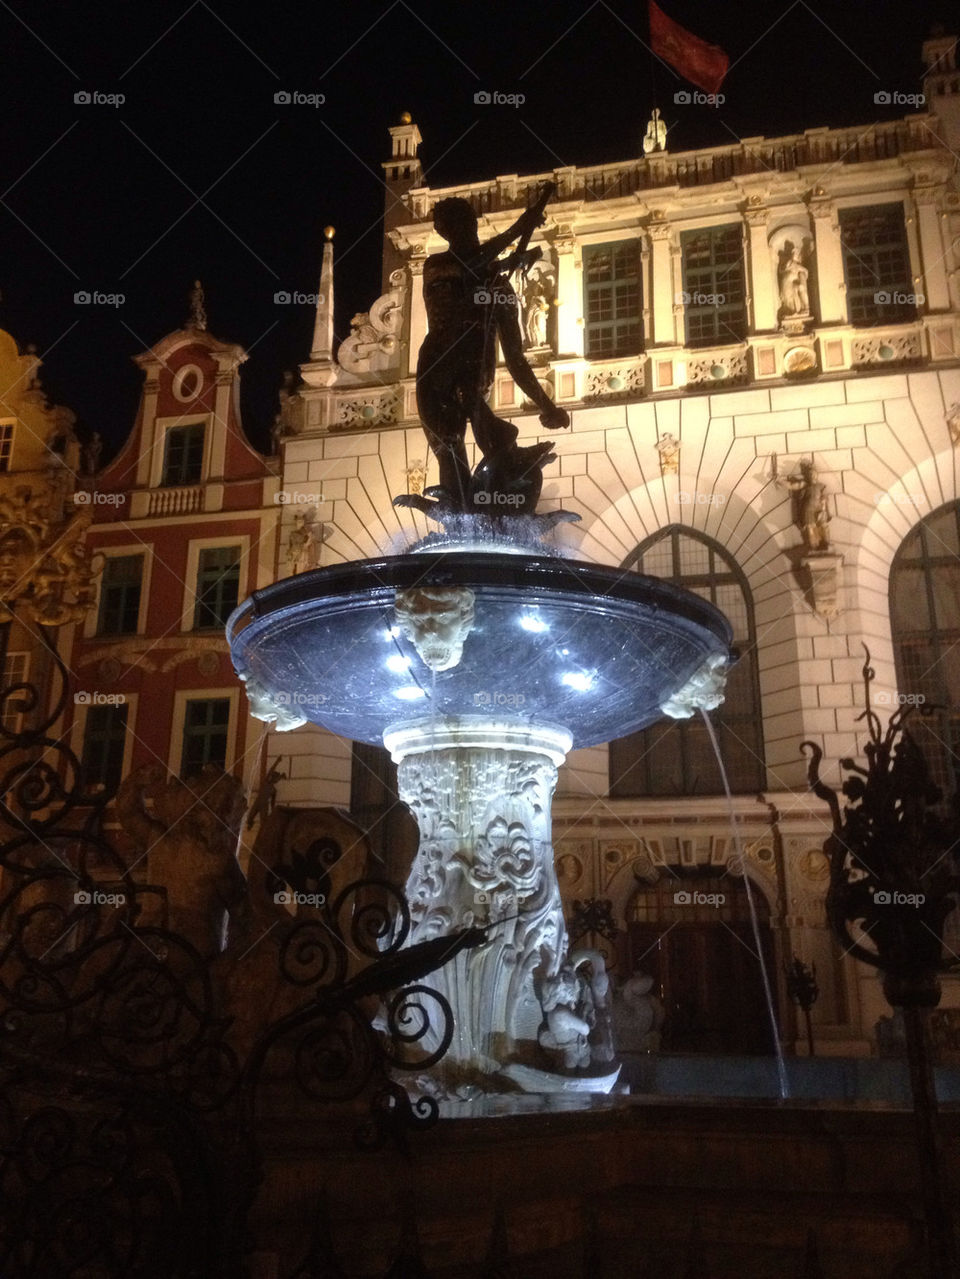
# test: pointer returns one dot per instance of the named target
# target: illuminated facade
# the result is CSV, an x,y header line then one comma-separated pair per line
x,y
184,526
759,347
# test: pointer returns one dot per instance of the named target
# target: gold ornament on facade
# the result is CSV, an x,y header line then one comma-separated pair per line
x,y
44,566
669,449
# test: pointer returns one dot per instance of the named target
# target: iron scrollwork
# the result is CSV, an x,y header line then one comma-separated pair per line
x,y
132,1086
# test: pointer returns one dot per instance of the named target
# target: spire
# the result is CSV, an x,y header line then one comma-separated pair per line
x,y
197,318
322,345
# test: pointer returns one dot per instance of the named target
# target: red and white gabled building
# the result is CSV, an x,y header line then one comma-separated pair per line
x,y
186,522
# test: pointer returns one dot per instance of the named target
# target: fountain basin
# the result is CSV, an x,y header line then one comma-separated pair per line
x,y
551,641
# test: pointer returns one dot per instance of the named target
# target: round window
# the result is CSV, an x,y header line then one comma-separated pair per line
x,y
187,382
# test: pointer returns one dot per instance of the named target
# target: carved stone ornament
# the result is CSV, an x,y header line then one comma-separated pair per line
x,y
669,449
481,791
44,566
824,569
609,383
952,420
886,348
373,346
270,709
416,474
437,621
703,691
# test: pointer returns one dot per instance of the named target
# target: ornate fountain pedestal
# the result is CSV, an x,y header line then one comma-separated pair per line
x,y
480,789
479,669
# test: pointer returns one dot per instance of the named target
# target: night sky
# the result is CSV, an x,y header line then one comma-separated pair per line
x,y
200,173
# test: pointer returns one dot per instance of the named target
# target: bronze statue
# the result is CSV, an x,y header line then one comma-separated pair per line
x,y
470,303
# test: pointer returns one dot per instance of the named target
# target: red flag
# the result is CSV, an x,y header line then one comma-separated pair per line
x,y
702,64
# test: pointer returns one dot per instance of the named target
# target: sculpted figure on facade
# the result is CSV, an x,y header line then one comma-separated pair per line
x,y
537,297
669,449
304,542
811,514
470,304
793,278
655,138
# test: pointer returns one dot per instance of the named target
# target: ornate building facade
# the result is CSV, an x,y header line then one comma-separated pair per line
x,y
184,525
759,348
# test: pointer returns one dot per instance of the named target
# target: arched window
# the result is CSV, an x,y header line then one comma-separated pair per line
x,y
674,757
925,620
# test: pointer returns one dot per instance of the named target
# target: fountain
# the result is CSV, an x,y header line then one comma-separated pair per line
x,y
479,659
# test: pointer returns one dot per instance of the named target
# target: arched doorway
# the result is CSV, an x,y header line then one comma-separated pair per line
x,y
703,958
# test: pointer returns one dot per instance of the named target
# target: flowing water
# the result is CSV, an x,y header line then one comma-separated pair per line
x,y
754,922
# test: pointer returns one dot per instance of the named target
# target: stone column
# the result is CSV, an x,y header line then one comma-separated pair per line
x,y
667,308
418,311
830,282
480,789
932,250
569,294
762,286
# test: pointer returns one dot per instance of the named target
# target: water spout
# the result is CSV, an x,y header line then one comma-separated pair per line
x,y
754,922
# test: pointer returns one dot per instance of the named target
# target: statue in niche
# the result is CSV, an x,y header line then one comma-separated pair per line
x,y
810,506
536,308
470,303
792,277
